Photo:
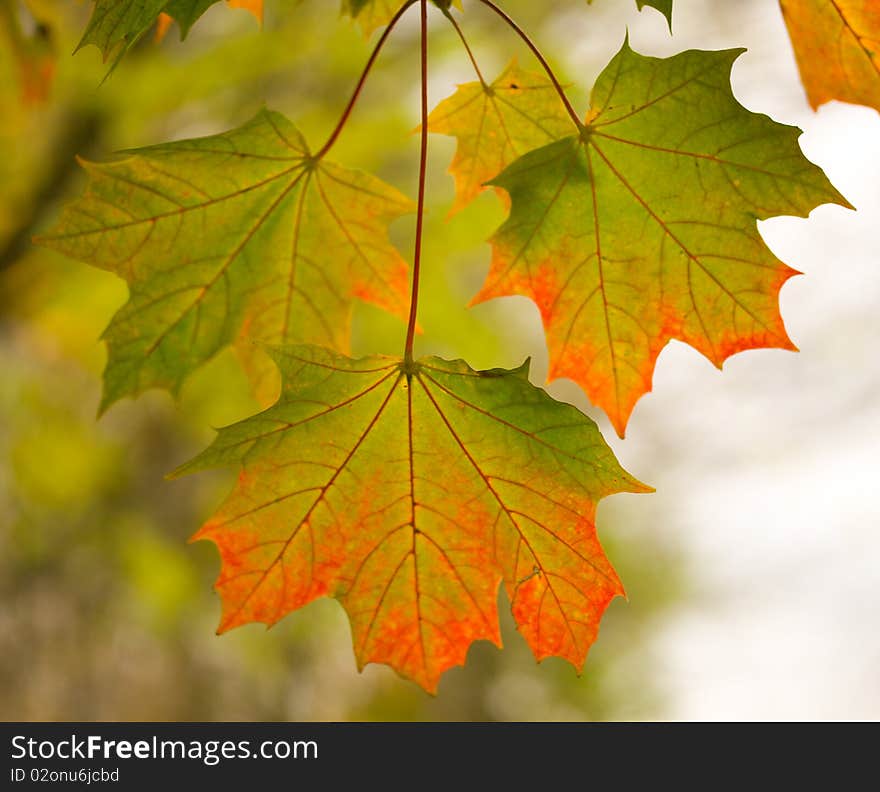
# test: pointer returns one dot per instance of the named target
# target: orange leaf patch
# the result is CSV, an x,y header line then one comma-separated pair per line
x,y
837,46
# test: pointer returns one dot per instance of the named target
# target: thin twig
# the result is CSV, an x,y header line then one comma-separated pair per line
x,y
541,59
362,81
448,14
423,169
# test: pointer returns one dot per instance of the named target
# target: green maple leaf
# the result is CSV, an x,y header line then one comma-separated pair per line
x,y
663,6
187,12
642,228
243,234
115,26
497,123
410,492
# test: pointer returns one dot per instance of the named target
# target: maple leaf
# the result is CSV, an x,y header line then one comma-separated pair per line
x,y
409,492
187,12
837,47
642,228
663,6
497,123
116,25
242,232
373,14
254,6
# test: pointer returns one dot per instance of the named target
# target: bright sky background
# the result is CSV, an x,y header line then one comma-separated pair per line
x,y
767,473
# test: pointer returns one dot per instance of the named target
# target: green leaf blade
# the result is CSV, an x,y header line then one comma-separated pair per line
x,y
663,6
116,25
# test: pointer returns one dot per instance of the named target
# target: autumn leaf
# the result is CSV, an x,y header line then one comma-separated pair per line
x,y
163,25
246,232
837,46
642,228
409,492
373,14
497,123
254,6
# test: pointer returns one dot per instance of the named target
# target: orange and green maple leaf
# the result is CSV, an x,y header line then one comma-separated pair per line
x,y
410,492
837,47
239,237
496,123
641,227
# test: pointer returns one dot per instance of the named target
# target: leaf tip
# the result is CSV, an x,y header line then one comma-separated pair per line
x,y
201,535
194,465
524,369
785,342
108,399
835,196
619,414
638,487
229,621
173,475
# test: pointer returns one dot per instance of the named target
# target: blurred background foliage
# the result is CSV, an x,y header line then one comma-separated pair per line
x,y
106,612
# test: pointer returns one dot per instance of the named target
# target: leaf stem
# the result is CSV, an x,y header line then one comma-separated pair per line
x,y
541,59
362,81
448,14
423,169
